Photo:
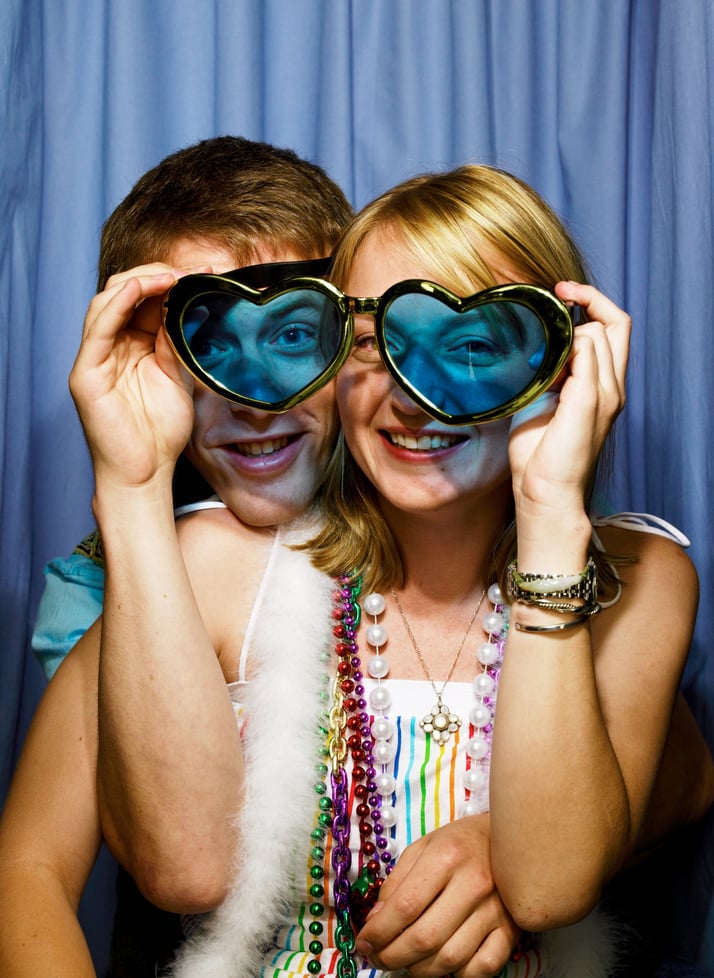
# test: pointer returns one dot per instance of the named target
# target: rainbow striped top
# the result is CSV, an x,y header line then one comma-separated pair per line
x,y
429,794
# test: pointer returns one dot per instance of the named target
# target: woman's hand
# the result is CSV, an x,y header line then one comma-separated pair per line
x,y
439,911
133,397
558,438
555,442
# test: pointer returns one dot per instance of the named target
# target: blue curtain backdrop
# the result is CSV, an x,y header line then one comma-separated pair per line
x,y
605,106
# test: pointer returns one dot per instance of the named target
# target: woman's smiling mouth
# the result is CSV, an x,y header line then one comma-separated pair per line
x,y
423,443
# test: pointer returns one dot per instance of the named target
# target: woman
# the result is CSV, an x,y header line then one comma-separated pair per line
x,y
424,520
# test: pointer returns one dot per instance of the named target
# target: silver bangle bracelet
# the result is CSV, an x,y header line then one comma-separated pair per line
x,y
583,614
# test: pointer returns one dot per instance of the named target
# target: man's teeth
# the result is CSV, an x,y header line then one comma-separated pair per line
x,y
261,447
424,443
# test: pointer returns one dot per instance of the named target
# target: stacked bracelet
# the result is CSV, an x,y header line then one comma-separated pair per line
x,y
582,614
540,590
580,585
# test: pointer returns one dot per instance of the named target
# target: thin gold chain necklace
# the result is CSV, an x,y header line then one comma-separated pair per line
x,y
440,722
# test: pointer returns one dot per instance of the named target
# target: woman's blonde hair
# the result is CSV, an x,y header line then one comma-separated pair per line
x,y
470,228
465,224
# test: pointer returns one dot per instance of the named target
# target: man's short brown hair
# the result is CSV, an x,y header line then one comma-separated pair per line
x,y
231,191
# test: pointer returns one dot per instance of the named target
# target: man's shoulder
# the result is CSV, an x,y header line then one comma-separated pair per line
x,y
216,538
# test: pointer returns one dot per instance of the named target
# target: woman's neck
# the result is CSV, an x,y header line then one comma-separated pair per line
x,y
447,552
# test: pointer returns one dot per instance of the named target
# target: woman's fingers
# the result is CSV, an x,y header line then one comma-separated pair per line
x,y
599,309
404,896
557,440
453,935
541,409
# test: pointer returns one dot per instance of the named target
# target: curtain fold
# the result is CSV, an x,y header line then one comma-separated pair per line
x,y
20,163
675,473
605,106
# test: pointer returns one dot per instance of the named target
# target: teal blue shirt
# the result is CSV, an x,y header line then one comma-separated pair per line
x,y
71,602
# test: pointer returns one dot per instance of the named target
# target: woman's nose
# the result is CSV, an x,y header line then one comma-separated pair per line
x,y
402,402
414,365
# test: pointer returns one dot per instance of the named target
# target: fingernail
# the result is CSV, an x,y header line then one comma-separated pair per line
x,y
364,947
565,289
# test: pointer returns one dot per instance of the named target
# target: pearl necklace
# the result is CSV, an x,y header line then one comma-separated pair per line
x,y
440,723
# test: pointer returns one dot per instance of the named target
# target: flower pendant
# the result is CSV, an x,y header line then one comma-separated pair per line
x,y
440,723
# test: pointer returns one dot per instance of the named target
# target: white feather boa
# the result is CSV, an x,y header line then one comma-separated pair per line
x,y
589,949
293,625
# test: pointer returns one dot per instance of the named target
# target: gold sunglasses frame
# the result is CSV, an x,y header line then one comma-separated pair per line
x,y
554,315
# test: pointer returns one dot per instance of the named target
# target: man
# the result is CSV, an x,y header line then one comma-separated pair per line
x,y
221,204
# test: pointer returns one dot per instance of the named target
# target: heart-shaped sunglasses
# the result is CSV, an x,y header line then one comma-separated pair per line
x,y
269,336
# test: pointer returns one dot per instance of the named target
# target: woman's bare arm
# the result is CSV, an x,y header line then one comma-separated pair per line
x,y
49,832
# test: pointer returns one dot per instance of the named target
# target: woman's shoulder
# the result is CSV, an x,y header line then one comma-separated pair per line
x,y
656,558
659,582
641,536
647,628
226,562
641,523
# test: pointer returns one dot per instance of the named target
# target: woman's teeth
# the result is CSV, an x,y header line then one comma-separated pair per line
x,y
424,443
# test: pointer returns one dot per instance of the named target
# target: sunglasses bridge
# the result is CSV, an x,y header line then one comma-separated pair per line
x,y
363,306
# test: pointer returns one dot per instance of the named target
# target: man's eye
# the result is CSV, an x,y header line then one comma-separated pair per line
x,y
207,347
365,347
295,336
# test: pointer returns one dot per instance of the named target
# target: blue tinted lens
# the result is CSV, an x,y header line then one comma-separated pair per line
x,y
464,362
266,351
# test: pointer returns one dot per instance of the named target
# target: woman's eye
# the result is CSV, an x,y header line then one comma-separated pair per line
x,y
365,347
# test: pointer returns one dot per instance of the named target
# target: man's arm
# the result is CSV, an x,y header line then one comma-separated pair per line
x,y
169,762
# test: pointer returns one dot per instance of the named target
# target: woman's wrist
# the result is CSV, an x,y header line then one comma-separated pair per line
x,y
553,547
570,595
537,620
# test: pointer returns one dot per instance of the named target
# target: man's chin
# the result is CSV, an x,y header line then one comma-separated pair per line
x,y
262,513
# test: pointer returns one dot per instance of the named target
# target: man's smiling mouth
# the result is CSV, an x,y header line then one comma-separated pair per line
x,y
266,447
